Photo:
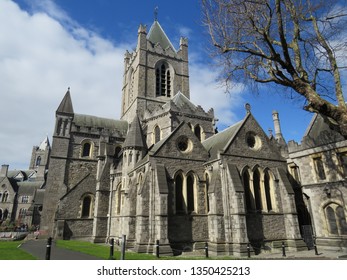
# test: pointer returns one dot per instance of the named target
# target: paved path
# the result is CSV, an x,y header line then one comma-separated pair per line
x,y
37,248
305,255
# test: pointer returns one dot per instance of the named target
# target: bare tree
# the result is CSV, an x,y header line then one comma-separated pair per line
x,y
297,44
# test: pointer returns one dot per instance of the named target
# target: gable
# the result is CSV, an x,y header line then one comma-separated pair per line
x,y
319,133
7,186
251,141
180,144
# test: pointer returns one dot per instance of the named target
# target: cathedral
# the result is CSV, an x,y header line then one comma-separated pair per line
x,y
163,173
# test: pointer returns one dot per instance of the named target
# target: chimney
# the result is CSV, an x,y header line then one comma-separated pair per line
x,y
4,170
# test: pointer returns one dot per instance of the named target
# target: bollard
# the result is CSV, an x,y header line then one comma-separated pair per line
x,y
315,246
111,249
283,249
48,248
157,248
248,250
122,255
206,249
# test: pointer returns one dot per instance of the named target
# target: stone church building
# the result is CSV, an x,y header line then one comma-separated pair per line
x,y
162,172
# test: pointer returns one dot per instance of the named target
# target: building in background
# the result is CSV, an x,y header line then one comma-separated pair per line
x,y
318,166
22,191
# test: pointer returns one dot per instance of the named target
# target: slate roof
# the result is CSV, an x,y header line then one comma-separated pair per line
x,y
66,104
44,144
317,126
156,35
92,121
135,137
29,188
182,101
220,140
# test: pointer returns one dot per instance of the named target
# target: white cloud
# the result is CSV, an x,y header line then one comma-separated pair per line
x,y
40,58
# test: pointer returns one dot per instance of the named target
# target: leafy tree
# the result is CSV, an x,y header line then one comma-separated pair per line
x,y
298,44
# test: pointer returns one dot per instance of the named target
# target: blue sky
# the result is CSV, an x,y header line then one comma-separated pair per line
x,y
50,45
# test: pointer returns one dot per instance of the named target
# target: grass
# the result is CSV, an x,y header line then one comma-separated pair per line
x,y
103,251
98,250
10,250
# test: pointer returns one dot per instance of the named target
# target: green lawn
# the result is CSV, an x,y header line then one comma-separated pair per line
x,y
103,251
10,250
98,250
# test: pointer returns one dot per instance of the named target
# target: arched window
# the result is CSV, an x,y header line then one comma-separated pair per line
x,y
207,186
163,80
38,161
179,199
4,197
22,213
190,193
197,132
156,134
86,150
59,125
86,206
118,197
319,166
267,191
336,219
341,220
331,220
248,193
257,192
117,152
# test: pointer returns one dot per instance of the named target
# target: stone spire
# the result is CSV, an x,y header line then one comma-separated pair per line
x,y
135,138
65,106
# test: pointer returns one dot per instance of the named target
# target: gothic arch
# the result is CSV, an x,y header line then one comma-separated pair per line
x,y
164,75
198,132
207,187
257,190
87,148
179,197
5,197
130,86
118,199
335,219
248,188
87,205
156,134
269,190
117,152
191,192
38,161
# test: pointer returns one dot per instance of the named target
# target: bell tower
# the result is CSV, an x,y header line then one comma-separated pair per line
x,y
57,176
154,73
